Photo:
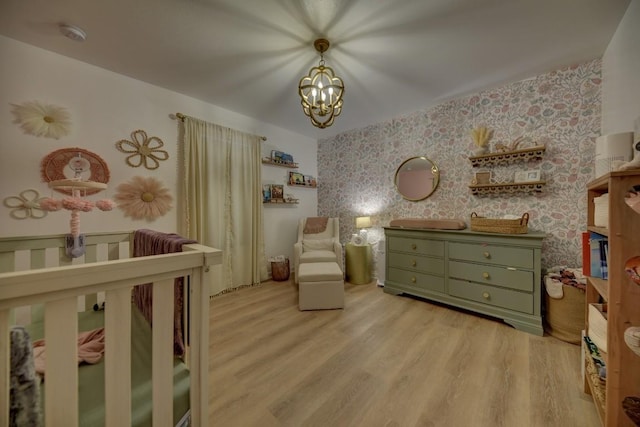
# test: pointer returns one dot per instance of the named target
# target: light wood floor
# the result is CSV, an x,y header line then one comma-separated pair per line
x,y
383,361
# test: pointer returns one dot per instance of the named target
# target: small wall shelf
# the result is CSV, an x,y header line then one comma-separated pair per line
x,y
507,187
525,154
269,161
303,185
282,202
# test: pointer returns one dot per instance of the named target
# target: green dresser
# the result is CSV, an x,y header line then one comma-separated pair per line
x,y
494,274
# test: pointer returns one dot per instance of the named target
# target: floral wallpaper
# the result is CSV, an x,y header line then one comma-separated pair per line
x,y
560,109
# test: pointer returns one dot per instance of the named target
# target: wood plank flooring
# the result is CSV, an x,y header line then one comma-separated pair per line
x,y
384,360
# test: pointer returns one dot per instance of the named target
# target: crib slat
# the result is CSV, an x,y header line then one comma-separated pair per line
x,y
199,312
4,367
162,345
63,259
90,255
37,260
117,358
113,251
7,262
61,369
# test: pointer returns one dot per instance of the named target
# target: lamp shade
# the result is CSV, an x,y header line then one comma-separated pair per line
x,y
363,222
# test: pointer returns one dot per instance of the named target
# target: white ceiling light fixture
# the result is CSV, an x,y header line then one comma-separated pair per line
x,y
72,32
321,91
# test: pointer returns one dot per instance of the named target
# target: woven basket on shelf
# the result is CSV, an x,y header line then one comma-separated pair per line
x,y
496,225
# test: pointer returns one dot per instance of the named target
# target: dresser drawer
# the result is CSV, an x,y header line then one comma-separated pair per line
x,y
491,275
417,246
416,280
422,264
492,254
497,297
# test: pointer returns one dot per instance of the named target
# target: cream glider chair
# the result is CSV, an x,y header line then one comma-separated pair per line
x,y
315,246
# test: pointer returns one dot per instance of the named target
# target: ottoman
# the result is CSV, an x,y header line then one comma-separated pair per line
x,y
321,286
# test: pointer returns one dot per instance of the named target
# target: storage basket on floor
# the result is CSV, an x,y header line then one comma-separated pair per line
x,y
498,225
280,270
564,318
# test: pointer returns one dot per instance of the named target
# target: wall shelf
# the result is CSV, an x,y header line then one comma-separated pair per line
x,y
507,187
506,157
269,161
302,185
281,202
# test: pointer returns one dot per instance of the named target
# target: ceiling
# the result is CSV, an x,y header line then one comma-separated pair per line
x,y
394,56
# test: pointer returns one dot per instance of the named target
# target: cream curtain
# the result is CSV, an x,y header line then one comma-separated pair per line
x,y
223,200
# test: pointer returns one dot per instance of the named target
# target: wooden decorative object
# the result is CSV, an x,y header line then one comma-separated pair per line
x,y
55,164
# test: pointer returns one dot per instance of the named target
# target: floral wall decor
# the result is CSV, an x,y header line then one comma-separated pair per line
x,y
25,205
559,109
143,198
40,119
143,150
57,165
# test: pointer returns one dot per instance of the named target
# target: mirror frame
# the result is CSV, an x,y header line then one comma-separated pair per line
x,y
434,171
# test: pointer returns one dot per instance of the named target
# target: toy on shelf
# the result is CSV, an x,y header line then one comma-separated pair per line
x,y
76,202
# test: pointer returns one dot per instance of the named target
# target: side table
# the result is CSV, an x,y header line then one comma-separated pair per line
x,y
358,263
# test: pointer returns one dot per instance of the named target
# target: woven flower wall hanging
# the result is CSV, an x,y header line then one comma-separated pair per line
x,y
143,198
25,205
143,150
40,119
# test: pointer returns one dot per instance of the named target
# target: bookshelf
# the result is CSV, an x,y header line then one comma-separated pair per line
x,y
621,294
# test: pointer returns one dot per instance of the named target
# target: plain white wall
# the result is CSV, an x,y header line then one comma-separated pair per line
x,y
106,107
621,75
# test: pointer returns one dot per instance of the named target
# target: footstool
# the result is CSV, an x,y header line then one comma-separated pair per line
x,y
321,286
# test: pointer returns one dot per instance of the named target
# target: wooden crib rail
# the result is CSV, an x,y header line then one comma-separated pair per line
x,y
58,289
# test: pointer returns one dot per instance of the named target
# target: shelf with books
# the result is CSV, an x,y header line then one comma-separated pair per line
x,y
618,293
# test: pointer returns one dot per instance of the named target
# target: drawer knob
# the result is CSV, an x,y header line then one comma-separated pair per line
x,y
485,275
413,280
487,255
413,263
486,295
414,246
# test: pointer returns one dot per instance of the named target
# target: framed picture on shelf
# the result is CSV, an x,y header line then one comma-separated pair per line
x,y
280,157
277,192
296,178
532,175
482,178
266,193
310,181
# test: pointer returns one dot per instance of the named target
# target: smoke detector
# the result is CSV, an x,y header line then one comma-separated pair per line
x,y
72,32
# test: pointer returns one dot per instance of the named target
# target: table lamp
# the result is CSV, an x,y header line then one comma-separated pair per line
x,y
363,222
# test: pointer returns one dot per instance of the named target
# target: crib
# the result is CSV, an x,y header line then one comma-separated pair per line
x,y
36,277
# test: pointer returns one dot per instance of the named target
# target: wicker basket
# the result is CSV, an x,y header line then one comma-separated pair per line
x,y
505,226
280,270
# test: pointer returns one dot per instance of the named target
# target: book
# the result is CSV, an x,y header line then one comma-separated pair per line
x,y
604,251
595,251
586,259
598,261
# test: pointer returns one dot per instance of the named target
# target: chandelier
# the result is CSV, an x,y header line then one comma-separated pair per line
x,y
321,91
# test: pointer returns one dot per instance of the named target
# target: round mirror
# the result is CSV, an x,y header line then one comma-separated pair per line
x,y
416,178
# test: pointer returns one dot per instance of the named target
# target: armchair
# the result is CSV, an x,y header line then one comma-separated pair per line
x,y
323,246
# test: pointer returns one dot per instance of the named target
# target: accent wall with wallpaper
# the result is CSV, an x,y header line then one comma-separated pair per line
x,y
559,109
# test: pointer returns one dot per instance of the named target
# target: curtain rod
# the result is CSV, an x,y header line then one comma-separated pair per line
x,y
181,117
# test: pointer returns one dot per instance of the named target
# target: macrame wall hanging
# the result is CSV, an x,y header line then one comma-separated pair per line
x,y
35,118
143,198
142,150
76,173
25,205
